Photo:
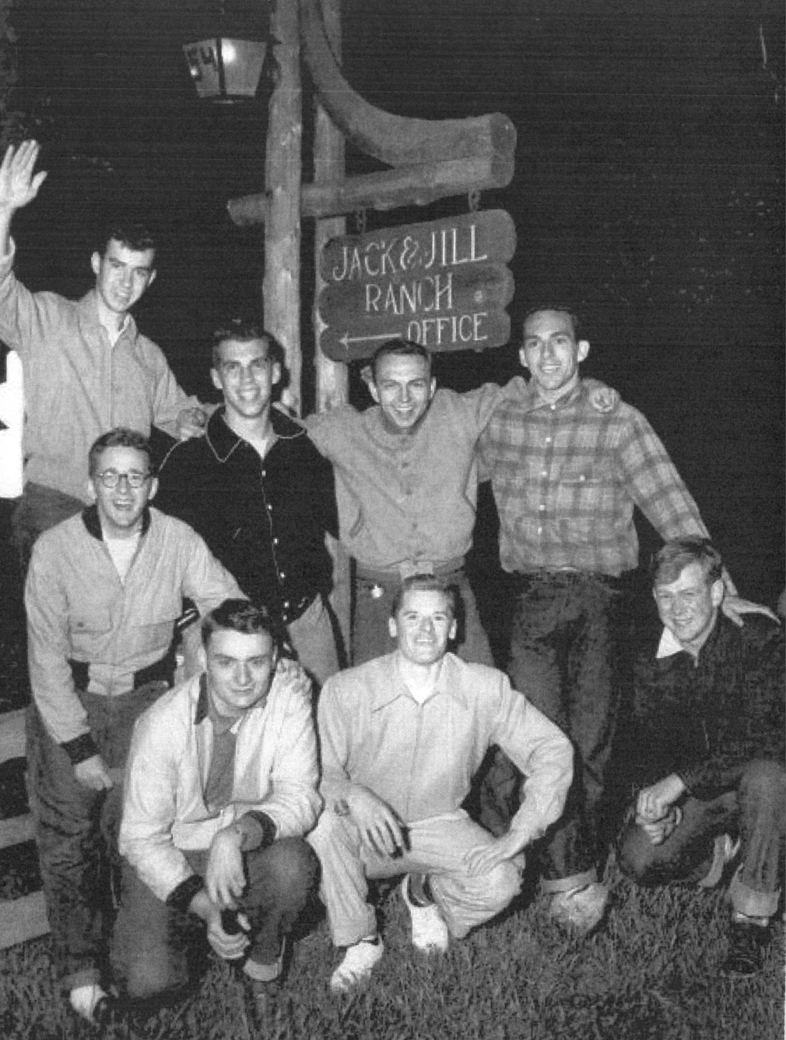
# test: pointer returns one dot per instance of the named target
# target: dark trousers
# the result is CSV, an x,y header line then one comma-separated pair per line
x,y
754,810
159,952
76,831
37,510
566,656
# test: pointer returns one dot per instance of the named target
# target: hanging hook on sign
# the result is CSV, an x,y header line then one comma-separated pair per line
x,y
473,200
360,220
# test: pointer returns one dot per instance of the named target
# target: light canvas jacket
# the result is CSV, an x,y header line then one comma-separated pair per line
x,y
164,811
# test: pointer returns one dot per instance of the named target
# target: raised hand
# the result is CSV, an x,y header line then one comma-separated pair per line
x,y
18,184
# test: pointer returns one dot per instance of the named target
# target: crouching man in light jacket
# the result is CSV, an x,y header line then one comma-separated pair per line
x,y
221,787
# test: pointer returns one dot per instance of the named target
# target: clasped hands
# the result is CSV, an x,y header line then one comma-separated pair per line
x,y
655,811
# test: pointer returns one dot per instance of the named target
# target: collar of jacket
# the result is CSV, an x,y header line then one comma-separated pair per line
x,y
223,441
93,524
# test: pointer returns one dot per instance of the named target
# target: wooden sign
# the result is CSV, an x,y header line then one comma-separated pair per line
x,y
443,284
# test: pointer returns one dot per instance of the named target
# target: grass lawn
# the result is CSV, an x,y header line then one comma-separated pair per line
x,y
650,974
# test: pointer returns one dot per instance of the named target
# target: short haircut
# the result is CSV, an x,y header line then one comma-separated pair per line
x,y
131,235
245,328
427,583
672,559
397,348
561,309
119,437
240,615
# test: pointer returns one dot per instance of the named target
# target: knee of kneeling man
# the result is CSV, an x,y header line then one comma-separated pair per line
x,y
502,884
634,854
763,774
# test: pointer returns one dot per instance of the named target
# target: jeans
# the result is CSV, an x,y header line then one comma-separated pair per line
x,y
436,846
754,810
566,656
159,952
314,641
77,828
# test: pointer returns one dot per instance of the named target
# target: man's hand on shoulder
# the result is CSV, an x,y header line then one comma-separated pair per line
x,y
93,773
734,607
18,186
481,859
291,674
380,828
191,422
602,398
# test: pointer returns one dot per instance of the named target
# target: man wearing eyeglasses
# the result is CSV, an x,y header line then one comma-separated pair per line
x,y
103,593
86,366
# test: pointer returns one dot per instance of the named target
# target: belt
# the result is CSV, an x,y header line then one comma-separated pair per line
x,y
396,575
567,575
164,670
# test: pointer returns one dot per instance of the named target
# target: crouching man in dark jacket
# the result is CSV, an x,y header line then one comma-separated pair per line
x,y
708,749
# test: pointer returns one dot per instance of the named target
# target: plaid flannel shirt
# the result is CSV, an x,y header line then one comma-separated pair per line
x,y
566,478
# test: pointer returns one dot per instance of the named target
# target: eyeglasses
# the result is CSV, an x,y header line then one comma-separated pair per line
x,y
110,478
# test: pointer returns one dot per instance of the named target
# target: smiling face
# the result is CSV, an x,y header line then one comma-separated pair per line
x,y
240,668
552,353
403,388
122,275
423,626
246,375
120,508
689,605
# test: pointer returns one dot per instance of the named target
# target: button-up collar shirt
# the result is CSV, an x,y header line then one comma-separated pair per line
x,y
566,479
405,497
77,385
421,758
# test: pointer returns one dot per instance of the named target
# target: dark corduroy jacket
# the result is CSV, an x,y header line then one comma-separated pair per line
x,y
705,719
265,519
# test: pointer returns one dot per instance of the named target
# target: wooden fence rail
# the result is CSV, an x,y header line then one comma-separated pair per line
x,y
23,918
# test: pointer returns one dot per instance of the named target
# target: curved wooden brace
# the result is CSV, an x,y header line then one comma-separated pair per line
x,y
399,140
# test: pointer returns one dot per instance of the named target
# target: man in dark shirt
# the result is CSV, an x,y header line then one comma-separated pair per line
x,y
260,494
708,746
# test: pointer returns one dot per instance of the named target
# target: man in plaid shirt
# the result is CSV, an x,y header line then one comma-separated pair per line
x,y
566,478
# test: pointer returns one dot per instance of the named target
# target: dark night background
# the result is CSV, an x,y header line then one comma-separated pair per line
x,y
648,192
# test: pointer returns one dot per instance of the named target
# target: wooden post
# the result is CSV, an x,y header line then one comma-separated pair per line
x,y
332,378
283,174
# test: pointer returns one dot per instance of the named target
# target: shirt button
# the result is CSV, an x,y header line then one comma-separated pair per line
x,y
281,575
548,440
275,541
544,472
542,508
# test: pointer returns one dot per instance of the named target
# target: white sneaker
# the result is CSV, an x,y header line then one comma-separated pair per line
x,y
429,931
580,909
358,963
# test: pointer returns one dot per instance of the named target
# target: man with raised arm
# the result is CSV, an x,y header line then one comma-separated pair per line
x,y
86,368
401,739
104,590
221,786
706,752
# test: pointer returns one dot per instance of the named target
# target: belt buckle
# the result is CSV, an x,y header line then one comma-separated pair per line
x,y
412,567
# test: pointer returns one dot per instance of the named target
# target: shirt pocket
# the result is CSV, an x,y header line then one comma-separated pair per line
x,y
585,491
87,623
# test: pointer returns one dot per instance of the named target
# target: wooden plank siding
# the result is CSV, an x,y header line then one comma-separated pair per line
x,y
23,918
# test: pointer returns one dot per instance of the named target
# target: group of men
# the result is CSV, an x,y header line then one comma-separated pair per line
x,y
204,810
